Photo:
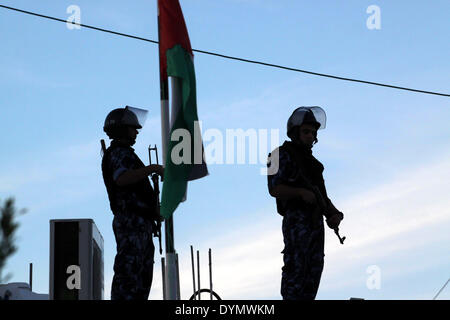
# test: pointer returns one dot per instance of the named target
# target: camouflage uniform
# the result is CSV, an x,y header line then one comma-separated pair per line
x,y
133,265
133,207
303,238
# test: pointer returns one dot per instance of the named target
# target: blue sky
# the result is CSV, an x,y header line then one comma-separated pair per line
x,y
386,152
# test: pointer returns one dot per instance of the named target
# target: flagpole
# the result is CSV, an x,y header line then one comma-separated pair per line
x,y
171,281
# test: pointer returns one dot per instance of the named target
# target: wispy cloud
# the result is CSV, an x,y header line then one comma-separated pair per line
x,y
50,166
57,178
17,71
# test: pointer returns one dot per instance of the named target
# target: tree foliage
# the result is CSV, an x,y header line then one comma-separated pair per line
x,y
8,228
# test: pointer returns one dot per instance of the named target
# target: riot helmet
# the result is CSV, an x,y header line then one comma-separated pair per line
x,y
119,119
312,115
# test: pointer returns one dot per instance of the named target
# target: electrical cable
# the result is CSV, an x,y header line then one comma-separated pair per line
x,y
234,58
441,289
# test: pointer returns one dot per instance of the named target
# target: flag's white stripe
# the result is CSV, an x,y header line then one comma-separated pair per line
x,y
176,99
165,129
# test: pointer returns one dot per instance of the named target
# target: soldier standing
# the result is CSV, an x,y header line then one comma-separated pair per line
x,y
132,201
302,200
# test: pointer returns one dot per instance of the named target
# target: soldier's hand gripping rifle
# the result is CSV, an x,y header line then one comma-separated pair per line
x,y
322,205
155,180
341,240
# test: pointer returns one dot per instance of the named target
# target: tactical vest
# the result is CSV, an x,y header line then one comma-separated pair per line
x,y
308,172
142,189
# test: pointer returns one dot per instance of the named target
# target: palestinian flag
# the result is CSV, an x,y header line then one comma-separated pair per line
x,y
184,158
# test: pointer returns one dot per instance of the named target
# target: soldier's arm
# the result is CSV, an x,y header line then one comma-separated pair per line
x,y
332,210
277,182
285,192
136,175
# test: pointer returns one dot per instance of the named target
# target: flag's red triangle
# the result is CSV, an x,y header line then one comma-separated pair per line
x,y
172,31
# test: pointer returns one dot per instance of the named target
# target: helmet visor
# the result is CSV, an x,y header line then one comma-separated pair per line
x,y
301,115
141,115
320,116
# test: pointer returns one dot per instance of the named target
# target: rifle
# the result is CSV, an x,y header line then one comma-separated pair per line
x,y
321,204
341,240
102,143
155,180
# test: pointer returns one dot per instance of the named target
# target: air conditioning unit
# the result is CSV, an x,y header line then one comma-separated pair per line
x,y
76,260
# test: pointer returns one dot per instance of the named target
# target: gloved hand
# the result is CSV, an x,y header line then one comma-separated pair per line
x,y
334,220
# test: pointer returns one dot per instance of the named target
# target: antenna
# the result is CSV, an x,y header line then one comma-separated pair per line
x,y
31,276
198,274
210,274
193,271
198,291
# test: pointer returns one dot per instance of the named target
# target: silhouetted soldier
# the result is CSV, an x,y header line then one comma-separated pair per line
x,y
302,200
132,201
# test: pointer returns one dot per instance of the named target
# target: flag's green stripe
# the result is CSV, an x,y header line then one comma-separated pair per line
x,y
179,64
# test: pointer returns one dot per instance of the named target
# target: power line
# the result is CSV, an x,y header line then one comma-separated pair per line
x,y
231,57
78,24
441,289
